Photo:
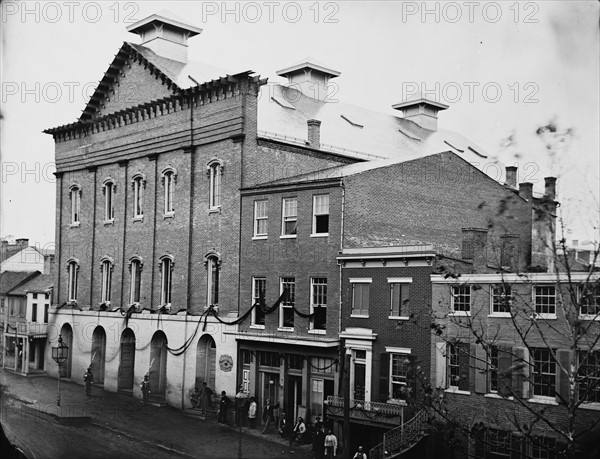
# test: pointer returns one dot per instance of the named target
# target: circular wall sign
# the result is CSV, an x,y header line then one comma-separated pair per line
x,y
226,362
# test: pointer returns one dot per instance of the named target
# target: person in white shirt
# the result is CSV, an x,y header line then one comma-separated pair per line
x,y
298,432
330,445
252,413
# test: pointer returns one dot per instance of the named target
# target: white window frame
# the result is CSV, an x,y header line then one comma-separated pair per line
x,y
288,303
314,287
109,189
213,275
402,354
535,296
398,281
138,185
316,400
552,361
166,280
135,280
316,214
75,194
494,294
255,298
453,295
169,180
361,280
73,280
285,217
595,294
106,267
214,172
261,216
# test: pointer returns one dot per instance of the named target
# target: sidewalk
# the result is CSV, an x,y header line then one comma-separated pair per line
x,y
163,426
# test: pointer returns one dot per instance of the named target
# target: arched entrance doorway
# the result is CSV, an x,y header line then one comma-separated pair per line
x,y
206,362
158,364
98,354
67,336
127,360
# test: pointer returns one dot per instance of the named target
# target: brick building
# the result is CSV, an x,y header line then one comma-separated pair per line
x,y
204,219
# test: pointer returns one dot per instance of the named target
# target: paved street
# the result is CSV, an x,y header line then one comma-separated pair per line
x,y
119,427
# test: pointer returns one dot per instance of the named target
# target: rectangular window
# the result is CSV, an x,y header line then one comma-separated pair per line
x,y
135,281
295,361
215,186
321,214
544,373
322,365
290,217
458,365
360,299
269,359
461,298
286,311
106,281
499,444
316,397
246,380
75,205
46,307
261,209
169,180
34,312
589,298
109,207
399,293
166,277
545,299
589,376
318,304
35,295
399,376
73,272
493,369
138,197
501,299
246,356
544,448
259,287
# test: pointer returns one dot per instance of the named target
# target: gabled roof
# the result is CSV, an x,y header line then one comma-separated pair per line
x,y
175,75
12,279
39,284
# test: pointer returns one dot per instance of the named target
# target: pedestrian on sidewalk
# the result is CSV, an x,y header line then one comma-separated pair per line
x,y
205,398
267,415
359,454
252,413
330,444
319,443
88,379
297,432
283,426
223,407
241,401
145,386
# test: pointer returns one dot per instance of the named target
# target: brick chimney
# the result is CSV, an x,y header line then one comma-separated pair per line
x,y
48,264
166,35
550,187
526,190
22,243
310,77
422,111
511,177
509,252
474,247
314,133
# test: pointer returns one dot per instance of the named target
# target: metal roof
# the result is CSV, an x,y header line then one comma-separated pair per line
x,y
39,284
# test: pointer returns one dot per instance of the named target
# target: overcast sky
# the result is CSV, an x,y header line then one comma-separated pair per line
x,y
503,67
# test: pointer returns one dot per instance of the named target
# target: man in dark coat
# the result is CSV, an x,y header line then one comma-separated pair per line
x,y
267,415
223,407
88,379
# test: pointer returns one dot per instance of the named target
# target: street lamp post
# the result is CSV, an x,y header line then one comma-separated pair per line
x,y
60,354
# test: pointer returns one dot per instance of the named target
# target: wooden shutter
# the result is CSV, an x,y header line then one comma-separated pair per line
x,y
505,370
464,370
478,369
521,371
441,365
563,386
404,300
412,377
384,377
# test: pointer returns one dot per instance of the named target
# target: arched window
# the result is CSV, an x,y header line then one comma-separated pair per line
x,y
166,276
214,172
135,282
106,267
138,184
109,188
169,179
75,193
73,271
213,265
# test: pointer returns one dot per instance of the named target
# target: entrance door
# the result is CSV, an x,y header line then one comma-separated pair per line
x,y
126,363
359,380
98,352
294,397
206,362
158,364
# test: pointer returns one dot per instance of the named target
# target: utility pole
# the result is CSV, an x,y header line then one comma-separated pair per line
x,y
346,384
